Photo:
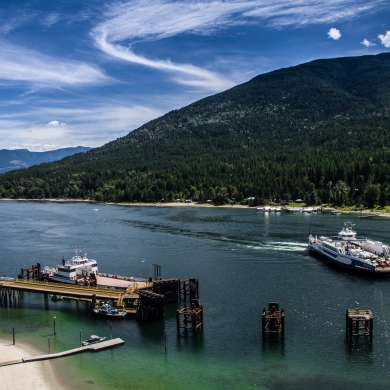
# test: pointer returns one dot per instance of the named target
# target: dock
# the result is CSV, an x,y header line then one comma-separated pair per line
x,y
144,300
69,290
92,348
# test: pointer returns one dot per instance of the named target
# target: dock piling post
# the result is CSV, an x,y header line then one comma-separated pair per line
x,y
54,324
48,339
13,336
178,321
81,339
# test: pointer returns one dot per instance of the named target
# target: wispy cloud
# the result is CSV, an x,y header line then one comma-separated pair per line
x,y
298,13
334,34
15,22
367,43
134,22
50,19
385,39
25,65
92,126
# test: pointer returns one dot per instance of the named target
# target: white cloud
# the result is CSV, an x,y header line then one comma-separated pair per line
x,y
92,126
385,39
50,19
334,34
20,64
367,43
134,22
56,124
184,73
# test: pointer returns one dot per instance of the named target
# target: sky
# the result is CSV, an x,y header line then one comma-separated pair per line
x,y
84,73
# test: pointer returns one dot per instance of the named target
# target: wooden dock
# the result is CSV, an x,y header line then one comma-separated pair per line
x,y
69,290
93,348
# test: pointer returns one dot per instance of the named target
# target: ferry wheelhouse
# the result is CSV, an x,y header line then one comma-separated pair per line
x,y
79,266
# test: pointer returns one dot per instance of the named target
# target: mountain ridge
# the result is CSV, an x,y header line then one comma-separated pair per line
x,y
286,134
11,159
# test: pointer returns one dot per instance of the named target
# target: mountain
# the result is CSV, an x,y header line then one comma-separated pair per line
x,y
318,131
22,158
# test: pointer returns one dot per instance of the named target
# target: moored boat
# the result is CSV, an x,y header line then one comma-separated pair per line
x,y
78,267
93,339
56,297
105,310
353,252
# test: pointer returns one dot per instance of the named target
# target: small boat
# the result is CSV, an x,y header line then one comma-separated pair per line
x,y
56,297
105,310
353,252
335,212
93,339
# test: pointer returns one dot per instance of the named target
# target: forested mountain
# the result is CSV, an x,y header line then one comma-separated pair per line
x,y
23,158
318,131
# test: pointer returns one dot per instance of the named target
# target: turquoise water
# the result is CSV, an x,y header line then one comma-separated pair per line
x,y
243,259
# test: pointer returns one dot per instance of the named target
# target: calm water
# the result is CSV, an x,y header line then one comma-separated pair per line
x,y
242,258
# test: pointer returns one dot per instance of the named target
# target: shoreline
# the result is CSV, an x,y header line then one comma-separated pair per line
x,y
32,375
367,212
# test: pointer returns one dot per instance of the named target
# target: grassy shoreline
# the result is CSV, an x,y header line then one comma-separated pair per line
x,y
344,210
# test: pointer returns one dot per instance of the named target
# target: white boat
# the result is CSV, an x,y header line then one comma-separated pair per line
x,y
56,297
93,339
353,252
106,310
79,266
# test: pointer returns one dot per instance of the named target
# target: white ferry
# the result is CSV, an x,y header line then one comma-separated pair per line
x,y
353,252
79,266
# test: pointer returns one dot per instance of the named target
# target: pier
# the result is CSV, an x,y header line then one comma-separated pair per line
x,y
93,348
74,291
143,300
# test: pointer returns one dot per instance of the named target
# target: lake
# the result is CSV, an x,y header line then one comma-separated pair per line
x,y
243,260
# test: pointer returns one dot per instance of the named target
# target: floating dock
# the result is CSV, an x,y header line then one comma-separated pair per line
x,y
93,348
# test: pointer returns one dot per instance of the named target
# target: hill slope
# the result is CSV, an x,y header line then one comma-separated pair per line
x,y
23,158
285,134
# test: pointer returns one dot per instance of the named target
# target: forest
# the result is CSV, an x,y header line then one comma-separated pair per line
x,y
319,132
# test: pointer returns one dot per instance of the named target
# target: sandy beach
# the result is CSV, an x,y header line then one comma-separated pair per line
x,y
32,375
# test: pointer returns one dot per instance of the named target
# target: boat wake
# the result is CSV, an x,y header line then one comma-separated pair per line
x,y
279,246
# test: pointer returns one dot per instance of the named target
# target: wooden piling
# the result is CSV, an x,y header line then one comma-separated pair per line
x,y
273,320
150,307
359,322
192,318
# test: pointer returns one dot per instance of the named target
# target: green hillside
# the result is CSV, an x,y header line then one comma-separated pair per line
x,y
318,131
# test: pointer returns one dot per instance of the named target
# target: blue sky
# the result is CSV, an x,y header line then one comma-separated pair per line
x,y
87,72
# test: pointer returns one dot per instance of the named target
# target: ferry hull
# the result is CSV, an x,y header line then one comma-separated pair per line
x,y
352,268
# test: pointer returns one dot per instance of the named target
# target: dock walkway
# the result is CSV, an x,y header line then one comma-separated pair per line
x,y
70,290
93,348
